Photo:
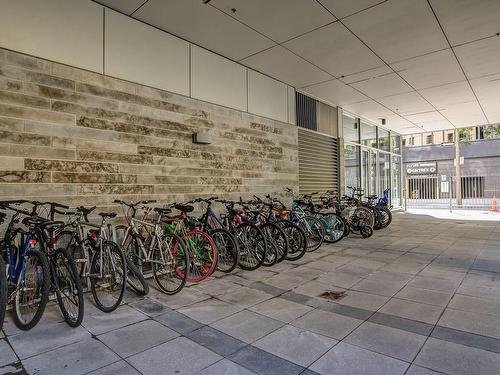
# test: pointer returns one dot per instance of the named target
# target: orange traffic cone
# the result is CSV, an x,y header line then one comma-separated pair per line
x,y
494,205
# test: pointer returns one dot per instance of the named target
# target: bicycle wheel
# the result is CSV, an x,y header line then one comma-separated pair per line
x,y
334,227
274,232
365,216
253,246
315,232
227,248
170,263
297,240
69,291
108,271
32,292
386,216
203,254
271,253
3,290
135,278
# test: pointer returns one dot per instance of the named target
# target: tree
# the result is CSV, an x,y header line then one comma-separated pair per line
x,y
491,131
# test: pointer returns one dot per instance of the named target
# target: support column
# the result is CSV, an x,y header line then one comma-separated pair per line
x,y
458,170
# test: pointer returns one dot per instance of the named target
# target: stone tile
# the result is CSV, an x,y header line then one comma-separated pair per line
x,y
346,359
482,324
363,300
217,287
412,310
352,312
80,358
417,370
379,287
339,279
474,304
247,326
98,322
225,367
428,296
216,341
281,309
117,368
387,340
209,311
245,297
468,339
177,356
262,362
402,323
301,299
284,281
434,283
269,289
46,337
296,345
327,324
137,337
457,359
178,322
149,307
7,355
187,297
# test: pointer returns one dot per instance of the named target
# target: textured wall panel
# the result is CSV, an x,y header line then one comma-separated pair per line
x,y
267,97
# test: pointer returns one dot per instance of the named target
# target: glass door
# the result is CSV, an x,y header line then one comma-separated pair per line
x,y
373,174
365,170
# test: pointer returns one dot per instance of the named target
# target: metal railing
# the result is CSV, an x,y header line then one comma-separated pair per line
x,y
478,192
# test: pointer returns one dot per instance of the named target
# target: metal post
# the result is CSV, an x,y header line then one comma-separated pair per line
x,y
406,193
450,179
458,182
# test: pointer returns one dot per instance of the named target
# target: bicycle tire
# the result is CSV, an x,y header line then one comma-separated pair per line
x,y
279,237
180,259
74,283
335,229
297,240
386,216
316,234
44,272
116,253
227,248
253,246
202,263
3,290
271,253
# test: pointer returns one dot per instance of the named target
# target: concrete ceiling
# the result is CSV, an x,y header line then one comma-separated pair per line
x,y
420,64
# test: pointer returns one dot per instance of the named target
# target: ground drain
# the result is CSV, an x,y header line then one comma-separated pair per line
x,y
333,295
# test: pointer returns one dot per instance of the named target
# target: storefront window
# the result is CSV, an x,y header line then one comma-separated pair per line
x,y
395,195
351,160
383,172
350,129
395,143
368,135
383,139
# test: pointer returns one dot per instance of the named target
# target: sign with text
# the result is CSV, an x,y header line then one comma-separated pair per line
x,y
428,167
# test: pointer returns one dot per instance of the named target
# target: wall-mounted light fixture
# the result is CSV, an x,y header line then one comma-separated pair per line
x,y
202,138
383,121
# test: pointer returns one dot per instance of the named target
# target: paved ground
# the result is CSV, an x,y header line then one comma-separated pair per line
x,y
422,297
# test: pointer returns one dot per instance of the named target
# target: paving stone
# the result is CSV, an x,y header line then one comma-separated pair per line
x,y
45,337
402,323
262,362
327,324
363,300
209,311
281,309
269,289
216,341
225,367
468,339
217,287
352,312
379,287
412,310
474,304
178,322
417,370
431,297
339,279
137,337
296,345
312,289
178,356
247,326
348,359
434,283
457,359
117,368
186,297
482,324
7,355
387,340
98,322
245,297
79,358
149,307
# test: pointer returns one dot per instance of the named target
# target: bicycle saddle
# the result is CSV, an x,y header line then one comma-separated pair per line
x,y
107,214
184,207
162,211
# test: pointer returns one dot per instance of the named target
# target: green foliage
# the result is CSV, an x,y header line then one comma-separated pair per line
x,y
491,131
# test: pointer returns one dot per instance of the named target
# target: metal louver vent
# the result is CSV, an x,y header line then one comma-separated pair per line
x,y
306,114
318,162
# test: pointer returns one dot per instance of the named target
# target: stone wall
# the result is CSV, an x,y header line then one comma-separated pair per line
x,y
78,137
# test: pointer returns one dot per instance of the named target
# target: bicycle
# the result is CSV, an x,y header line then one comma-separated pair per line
x,y
3,279
146,243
